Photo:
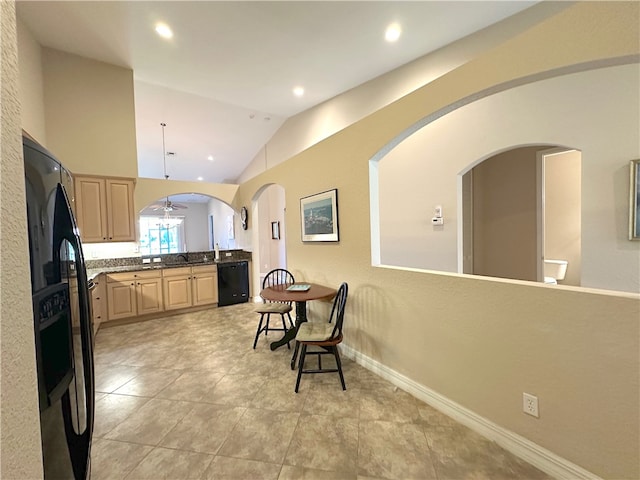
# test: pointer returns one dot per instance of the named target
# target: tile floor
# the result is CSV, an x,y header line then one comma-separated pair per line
x,y
186,397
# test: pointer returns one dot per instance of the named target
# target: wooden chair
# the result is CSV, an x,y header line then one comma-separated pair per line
x,y
327,336
279,276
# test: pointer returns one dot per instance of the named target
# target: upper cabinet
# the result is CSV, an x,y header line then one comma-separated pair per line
x,y
104,208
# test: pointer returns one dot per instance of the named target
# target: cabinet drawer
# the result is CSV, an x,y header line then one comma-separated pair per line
x,y
176,272
128,276
204,269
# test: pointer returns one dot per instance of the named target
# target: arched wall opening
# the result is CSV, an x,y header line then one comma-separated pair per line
x,y
593,111
268,248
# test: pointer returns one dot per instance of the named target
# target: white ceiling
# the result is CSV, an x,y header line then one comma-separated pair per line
x,y
223,84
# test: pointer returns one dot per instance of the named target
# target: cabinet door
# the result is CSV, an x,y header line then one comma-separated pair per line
x,y
177,292
149,296
120,211
97,301
205,288
121,299
91,209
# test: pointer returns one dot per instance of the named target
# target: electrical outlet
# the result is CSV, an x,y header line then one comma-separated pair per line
x,y
530,405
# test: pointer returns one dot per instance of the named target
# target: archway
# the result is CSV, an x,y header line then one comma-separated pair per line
x,y
268,232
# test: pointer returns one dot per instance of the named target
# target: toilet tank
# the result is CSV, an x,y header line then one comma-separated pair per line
x,y
555,268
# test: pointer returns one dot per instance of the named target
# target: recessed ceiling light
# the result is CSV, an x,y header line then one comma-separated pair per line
x,y
200,179
392,33
163,30
298,91
210,158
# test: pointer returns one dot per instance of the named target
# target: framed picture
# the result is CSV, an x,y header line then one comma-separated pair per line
x,y
319,217
634,201
275,230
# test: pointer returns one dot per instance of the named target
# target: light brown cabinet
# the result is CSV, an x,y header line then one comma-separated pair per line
x,y
104,209
186,287
97,301
204,284
133,293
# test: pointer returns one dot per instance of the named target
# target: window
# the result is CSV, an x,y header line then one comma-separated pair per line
x,y
161,235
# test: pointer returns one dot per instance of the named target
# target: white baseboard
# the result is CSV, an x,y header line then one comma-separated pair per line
x,y
539,457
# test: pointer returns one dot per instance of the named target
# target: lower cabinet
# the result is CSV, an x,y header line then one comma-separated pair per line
x,y
144,292
176,287
204,284
97,301
133,293
186,287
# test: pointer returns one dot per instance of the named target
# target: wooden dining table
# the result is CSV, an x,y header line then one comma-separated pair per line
x,y
279,293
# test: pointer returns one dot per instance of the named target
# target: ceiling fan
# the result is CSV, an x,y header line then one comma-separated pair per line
x,y
167,206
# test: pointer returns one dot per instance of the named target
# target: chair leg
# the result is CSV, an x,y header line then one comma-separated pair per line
x,y
290,321
255,341
294,356
266,329
284,328
303,352
337,355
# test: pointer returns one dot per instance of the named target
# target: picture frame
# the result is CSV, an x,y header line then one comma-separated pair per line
x,y
319,217
634,200
275,230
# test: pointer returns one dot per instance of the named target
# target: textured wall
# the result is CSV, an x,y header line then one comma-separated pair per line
x,y
21,456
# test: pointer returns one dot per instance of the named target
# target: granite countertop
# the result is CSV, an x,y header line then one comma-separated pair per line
x,y
169,261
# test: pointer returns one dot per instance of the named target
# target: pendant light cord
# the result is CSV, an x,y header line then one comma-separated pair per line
x,y
164,153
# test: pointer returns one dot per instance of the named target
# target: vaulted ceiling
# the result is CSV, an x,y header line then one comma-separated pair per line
x,y
223,83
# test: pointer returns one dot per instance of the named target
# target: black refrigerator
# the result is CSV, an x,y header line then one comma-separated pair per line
x,y
62,318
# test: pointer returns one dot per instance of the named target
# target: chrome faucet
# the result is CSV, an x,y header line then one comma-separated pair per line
x,y
184,257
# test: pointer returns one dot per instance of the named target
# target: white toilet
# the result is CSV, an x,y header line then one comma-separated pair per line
x,y
554,270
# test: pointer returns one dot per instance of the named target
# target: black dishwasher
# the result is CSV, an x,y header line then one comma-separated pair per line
x,y
233,283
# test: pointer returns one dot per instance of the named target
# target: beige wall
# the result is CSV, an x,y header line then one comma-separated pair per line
x,y
20,456
505,216
90,114
478,342
31,84
149,190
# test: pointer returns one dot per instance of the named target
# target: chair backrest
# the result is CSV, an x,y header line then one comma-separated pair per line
x,y
278,276
337,311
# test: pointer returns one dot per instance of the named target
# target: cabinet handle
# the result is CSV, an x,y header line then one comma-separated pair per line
x,y
104,238
133,284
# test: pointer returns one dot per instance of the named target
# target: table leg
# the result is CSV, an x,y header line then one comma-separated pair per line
x,y
301,316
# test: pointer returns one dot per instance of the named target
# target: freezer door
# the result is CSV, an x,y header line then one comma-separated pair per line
x,y
78,402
